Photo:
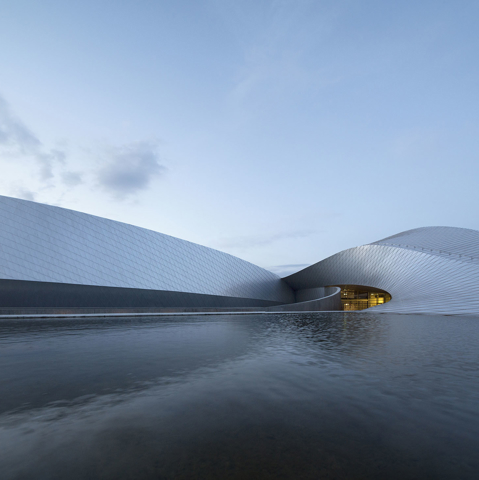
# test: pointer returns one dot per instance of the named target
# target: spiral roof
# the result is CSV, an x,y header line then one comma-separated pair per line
x,y
426,270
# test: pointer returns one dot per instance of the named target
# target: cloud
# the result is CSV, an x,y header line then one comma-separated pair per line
x,y
279,46
130,169
251,241
72,179
24,193
13,133
285,270
123,172
18,141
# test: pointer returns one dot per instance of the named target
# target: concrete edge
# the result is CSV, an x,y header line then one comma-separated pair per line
x,y
189,314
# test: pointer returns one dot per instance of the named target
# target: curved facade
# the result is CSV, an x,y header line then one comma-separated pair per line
x,y
426,270
53,257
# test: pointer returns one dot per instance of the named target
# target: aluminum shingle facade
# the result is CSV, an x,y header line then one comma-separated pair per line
x,y
426,270
53,257
42,243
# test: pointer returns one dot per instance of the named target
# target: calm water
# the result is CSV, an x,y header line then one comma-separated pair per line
x,y
320,396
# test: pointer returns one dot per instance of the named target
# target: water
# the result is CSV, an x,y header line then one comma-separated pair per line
x,y
330,396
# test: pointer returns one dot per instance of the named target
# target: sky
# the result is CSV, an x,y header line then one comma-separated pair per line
x,y
281,132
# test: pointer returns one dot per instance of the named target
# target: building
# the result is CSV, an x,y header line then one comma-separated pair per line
x,y
51,257
425,270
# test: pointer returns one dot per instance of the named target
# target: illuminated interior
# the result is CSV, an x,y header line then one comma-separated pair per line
x,y
358,297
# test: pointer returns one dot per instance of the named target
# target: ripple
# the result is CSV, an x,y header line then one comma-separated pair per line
x,y
281,396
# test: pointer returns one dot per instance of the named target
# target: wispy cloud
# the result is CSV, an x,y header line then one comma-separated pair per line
x,y
252,241
25,193
72,179
285,270
19,142
122,172
130,169
280,49
13,133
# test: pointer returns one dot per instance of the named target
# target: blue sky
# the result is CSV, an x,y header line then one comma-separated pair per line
x,y
279,131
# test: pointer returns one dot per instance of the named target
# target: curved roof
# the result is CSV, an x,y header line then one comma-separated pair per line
x,y
437,241
43,243
430,270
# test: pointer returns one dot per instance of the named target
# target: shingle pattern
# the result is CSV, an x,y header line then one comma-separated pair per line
x,y
45,243
426,270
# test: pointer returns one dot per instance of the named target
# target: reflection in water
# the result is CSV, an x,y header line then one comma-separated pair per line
x,y
326,395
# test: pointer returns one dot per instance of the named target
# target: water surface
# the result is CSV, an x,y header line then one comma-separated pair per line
x,y
326,395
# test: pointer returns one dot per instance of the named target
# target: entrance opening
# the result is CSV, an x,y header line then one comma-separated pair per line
x,y
359,297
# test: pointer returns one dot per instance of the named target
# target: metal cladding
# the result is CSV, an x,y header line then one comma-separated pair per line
x,y
53,257
46,250
426,270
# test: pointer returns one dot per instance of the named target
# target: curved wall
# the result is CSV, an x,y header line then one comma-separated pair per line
x,y
58,255
53,257
329,299
426,270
